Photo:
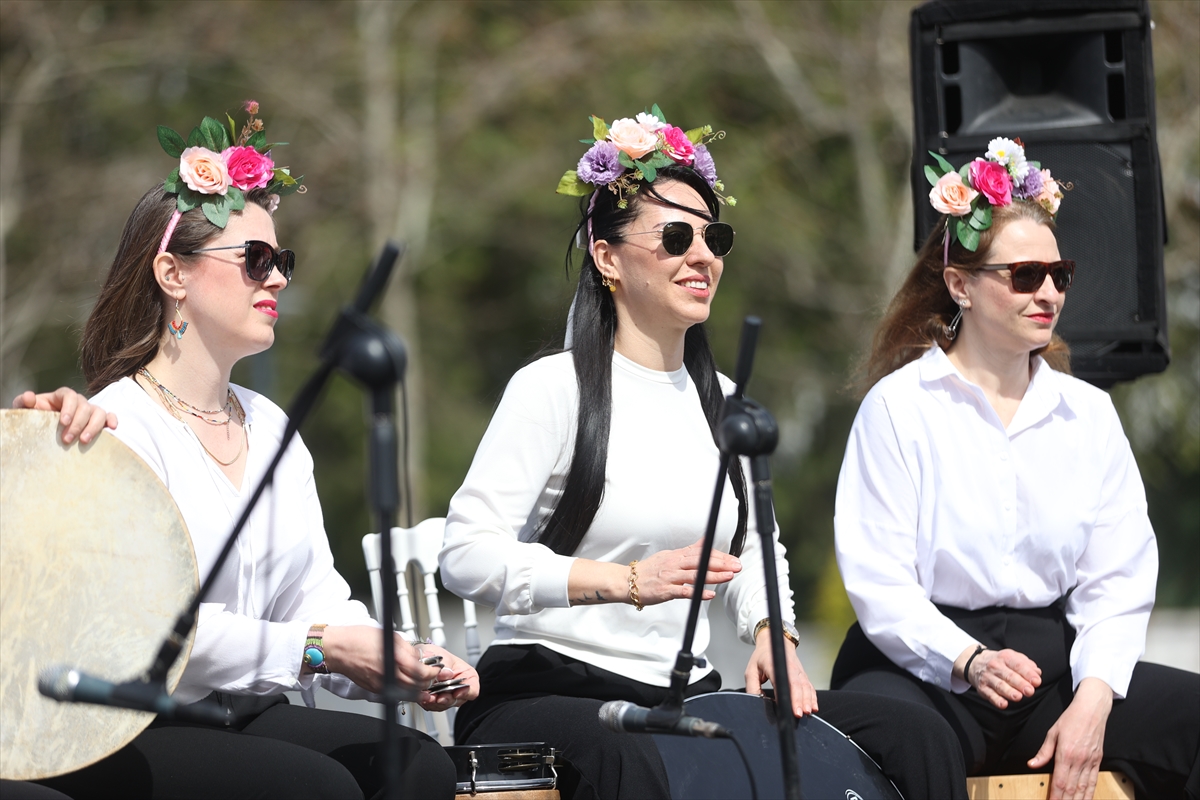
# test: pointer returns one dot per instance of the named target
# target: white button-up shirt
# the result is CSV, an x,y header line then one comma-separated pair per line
x,y
938,502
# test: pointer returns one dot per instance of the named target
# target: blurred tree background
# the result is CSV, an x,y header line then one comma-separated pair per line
x,y
448,124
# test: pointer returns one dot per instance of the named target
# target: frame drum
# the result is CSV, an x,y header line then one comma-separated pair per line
x,y
95,564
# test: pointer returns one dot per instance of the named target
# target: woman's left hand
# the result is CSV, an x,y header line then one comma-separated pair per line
x,y
762,667
79,419
452,667
1076,742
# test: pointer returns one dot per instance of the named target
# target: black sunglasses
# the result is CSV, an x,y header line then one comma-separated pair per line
x,y
1027,277
677,237
261,258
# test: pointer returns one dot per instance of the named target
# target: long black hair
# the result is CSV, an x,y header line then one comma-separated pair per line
x,y
593,328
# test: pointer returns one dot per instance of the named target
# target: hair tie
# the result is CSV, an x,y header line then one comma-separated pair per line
x,y
166,240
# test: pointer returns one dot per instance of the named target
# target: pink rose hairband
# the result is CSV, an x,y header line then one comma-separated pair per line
x,y
631,150
1001,177
218,164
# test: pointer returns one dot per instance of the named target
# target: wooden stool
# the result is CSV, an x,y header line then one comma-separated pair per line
x,y
1110,786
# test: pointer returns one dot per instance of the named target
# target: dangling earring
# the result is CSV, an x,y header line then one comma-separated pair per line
x,y
952,328
609,284
177,326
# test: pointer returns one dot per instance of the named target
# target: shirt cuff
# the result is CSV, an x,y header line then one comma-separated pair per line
x,y
548,583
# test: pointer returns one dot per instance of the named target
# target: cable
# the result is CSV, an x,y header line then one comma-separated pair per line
x,y
745,763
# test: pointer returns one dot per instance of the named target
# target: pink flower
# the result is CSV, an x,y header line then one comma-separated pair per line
x,y
992,179
248,169
272,203
631,138
677,145
203,171
1051,194
951,196
251,107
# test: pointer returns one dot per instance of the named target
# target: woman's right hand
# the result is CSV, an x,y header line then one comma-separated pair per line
x,y
1003,676
356,651
671,574
79,419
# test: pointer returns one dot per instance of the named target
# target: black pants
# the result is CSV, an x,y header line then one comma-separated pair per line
x,y
281,751
531,693
1152,735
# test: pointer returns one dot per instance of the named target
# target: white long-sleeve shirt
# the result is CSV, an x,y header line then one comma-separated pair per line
x,y
660,475
938,503
279,580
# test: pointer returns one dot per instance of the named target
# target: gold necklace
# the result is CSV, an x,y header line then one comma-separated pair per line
x,y
234,408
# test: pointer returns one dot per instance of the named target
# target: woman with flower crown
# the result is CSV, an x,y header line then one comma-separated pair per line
x,y
580,517
991,524
192,290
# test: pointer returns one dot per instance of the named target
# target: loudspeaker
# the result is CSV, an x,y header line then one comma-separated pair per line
x,y
1074,80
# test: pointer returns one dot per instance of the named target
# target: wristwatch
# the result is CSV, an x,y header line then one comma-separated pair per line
x,y
314,653
789,630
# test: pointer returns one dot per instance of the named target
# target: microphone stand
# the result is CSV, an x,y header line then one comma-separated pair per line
x,y
745,429
375,357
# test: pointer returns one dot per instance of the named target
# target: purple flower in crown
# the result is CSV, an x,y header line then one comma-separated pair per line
x,y
601,165
703,164
1031,187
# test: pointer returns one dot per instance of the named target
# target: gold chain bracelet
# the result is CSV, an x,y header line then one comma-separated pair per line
x,y
634,596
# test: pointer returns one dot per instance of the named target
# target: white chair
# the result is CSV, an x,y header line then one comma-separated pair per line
x,y
420,545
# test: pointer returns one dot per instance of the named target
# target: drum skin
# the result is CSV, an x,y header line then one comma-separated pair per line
x,y
831,765
95,565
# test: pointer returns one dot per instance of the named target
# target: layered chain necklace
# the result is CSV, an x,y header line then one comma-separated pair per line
x,y
232,410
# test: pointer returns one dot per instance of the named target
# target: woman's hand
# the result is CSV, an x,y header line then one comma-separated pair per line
x,y
1076,742
452,667
1001,676
671,574
79,419
762,667
356,651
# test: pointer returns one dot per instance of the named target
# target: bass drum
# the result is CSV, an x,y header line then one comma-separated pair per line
x,y
95,564
832,767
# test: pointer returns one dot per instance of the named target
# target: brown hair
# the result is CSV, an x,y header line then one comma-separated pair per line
x,y
123,332
918,316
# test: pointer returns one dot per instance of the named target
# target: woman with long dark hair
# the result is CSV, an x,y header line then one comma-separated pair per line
x,y
580,517
991,523
192,290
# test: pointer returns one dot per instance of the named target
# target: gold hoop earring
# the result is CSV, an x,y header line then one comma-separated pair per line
x,y
177,326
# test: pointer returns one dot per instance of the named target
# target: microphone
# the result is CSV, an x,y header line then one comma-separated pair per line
x,y
68,685
622,716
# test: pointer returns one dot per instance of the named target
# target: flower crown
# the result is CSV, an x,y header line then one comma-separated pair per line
x,y
1000,177
631,150
216,165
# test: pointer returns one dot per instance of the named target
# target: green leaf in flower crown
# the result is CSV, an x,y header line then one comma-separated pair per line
x,y
587,141
964,172
696,135
648,171
215,135
216,209
289,188
171,141
599,129
659,160
235,199
258,140
172,184
656,111
187,199
931,175
968,236
943,163
570,185
196,138
625,160
981,219
232,128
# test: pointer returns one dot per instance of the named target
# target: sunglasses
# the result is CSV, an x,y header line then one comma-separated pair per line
x,y
1027,277
677,237
261,258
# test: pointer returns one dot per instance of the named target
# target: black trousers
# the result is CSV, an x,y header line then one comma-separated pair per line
x,y
281,750
1153,735
531,693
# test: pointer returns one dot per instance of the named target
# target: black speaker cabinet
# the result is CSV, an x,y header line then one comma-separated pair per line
x,y
1074,80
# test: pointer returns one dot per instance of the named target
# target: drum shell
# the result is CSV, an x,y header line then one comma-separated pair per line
x,y
515,766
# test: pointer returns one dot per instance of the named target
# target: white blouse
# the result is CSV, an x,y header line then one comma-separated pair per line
x,y
660,476
938,502
279,580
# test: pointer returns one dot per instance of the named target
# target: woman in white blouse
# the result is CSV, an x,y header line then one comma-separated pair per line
x,y
991,527
184,301
580,517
